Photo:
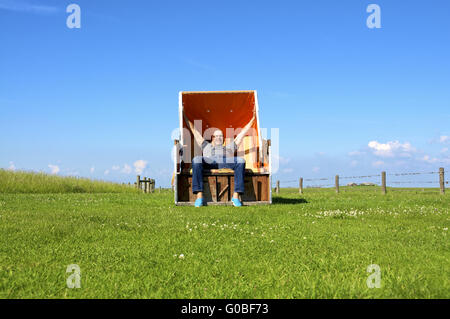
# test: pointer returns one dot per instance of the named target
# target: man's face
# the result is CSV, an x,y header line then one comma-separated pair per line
x,y
217,138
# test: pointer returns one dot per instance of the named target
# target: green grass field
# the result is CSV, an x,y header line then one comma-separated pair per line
x,y
39,183
318,245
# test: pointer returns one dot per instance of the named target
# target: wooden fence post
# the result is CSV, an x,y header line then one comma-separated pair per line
x,y
278,187
138,182
442,180
383,182
336,182
300,185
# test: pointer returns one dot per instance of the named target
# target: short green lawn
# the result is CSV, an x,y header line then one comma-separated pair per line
x,y
317,245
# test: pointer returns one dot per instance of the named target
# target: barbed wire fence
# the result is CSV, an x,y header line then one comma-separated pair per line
x,y
382,180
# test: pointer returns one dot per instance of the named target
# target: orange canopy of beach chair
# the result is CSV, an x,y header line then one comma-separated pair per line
x,y
222,110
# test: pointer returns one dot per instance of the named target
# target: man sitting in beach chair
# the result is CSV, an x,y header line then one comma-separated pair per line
x,y
216,155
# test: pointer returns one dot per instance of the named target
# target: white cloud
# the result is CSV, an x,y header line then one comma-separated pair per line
x,y
115,167
433,160
391,149
316,169
92,169
11,167
106,172
444,139
54,169
139,166
444,150
126,169
378,163
430,160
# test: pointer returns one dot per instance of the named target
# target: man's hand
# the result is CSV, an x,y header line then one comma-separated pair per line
x,y
197,135
245,130
189,123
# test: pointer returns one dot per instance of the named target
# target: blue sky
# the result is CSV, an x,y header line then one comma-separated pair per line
x,y
101,101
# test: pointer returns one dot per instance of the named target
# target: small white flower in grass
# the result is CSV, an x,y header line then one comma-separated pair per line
x,y
272,241
304,237
181,256
446,228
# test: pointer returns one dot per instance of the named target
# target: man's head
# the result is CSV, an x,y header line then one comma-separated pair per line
x,y
217,138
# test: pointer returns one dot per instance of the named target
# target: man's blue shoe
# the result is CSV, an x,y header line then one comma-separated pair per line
x,y
198,202
236,202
